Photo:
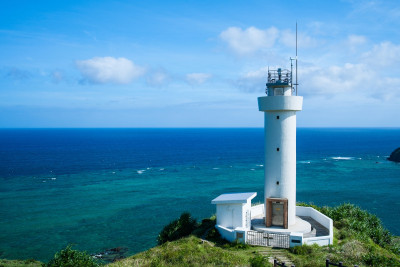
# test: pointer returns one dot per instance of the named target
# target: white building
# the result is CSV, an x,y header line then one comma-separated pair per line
x,y
236,218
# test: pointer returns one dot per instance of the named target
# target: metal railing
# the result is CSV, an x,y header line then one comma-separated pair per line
x,y
328,263
268,239
279,76
282,264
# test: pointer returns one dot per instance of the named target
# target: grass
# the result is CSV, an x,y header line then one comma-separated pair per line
x,y
359,239
191,251
20,263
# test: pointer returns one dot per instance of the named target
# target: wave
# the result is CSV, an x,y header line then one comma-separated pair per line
x,y
305,162
342,158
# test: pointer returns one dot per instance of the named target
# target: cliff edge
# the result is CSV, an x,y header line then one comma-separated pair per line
x,y
395,156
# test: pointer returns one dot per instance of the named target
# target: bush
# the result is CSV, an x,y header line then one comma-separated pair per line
x,y
353,221
258,261
71,258
304,249
236,245
177,229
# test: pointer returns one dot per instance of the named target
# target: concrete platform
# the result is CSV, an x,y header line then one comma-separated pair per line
x,y
301,226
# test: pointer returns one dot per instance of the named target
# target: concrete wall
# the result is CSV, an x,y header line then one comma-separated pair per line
x,y
246,216
230,215
322,219
228,234
258,211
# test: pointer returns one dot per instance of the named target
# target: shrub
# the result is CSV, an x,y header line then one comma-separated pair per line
x,y
71,258
258,261
304,249
177,229
353,221
236,245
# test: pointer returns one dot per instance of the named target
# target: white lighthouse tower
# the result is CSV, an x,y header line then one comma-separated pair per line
x,y
280,107
278,222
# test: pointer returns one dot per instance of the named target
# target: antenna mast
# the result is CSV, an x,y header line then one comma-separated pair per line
x,y
296,59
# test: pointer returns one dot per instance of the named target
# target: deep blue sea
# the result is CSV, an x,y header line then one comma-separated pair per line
x,y
106,188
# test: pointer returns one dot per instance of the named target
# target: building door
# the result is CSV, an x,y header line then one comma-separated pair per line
x,y
277,213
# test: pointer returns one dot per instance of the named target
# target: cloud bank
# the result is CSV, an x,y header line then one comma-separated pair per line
x,y
102,70
249,40
197,78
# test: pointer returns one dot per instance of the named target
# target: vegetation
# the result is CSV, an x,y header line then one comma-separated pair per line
x,y
71,258
20,263
177,229
189,251
359,239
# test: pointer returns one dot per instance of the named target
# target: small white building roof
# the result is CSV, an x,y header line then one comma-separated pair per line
x,y
234,198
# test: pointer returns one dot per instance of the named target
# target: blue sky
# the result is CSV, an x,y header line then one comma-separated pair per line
x,y
195,63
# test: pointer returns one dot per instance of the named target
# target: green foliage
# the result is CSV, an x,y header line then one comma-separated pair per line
x,y
177,229
71,258
304,249
357,223
258,261
189,251
360,239
236,245
204,228
379,260
20,263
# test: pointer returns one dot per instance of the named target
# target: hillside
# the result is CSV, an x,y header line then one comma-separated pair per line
x,y
359,239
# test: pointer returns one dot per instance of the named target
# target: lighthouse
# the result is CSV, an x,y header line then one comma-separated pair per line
x,y
280,106
278,222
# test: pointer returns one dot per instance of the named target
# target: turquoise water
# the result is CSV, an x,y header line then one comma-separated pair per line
x,y
100,188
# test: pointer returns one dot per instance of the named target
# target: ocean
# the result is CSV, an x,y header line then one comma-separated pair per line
x,y
105,188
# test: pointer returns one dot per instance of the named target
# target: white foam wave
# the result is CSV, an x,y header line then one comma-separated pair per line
x,y
305,162
260,165
342,158
215,168
141,171
252,169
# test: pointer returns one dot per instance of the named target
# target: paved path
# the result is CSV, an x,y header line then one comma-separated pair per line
x,y
276,253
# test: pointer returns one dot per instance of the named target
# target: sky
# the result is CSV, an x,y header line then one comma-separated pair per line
x,y
195,63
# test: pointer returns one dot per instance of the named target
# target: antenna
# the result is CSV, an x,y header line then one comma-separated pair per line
x,y
291,66
296,59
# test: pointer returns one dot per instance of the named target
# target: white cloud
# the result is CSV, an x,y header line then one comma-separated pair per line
x,y
253,81
57,76
288,38
197,78
109,70
383,54
249,40
356,40
157,78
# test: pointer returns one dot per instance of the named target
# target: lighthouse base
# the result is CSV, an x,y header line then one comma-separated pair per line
x,y
300,226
